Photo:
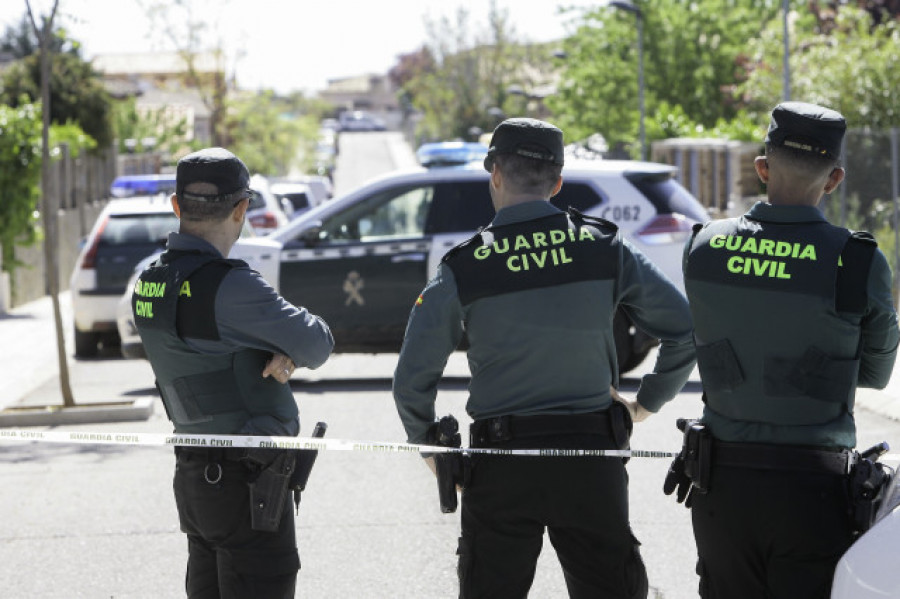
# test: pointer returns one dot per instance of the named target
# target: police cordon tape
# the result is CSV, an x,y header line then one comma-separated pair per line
x,y
318,443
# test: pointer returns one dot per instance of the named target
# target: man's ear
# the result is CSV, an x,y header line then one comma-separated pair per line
x,y
496,177
556,187
761,163
834,179
240,210
175,207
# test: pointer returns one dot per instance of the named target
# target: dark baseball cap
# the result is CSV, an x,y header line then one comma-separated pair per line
x,y
219,167
530,138
807,128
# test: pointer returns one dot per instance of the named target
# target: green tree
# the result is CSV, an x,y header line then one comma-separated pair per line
x,y
76,93
20,41
465,72
849,65
269,140
692,57
132,123
20,177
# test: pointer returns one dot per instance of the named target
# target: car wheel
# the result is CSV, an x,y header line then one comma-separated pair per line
x,y
628,355
86,344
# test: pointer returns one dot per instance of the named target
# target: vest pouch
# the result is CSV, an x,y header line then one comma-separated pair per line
x,y
199,397
824,378
719,366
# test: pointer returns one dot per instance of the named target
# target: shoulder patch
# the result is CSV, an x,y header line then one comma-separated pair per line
x,y
459,246
604,224
863,237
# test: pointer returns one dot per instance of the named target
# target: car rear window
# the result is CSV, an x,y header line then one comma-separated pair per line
x,y
580,196
300,201
134,229
466,205
667,195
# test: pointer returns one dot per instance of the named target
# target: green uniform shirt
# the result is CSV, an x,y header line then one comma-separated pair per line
x,y
756,312
534,352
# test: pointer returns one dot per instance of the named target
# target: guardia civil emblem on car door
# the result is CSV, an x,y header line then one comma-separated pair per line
x,y
352,285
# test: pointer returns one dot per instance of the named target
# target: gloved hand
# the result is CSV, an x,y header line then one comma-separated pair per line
x,y
677,479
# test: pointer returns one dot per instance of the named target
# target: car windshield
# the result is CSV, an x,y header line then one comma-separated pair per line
x,y
128,229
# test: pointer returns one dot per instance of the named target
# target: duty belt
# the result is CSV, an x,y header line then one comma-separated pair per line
x,y
782,457
507,428
211,454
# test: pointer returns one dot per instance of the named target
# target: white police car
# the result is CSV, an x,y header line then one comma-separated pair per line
x,y
360,261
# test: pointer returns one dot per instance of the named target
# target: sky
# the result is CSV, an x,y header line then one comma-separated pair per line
x,y
289,45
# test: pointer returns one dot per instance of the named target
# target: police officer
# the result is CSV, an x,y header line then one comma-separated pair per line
x,y
791,315
223,345
535,293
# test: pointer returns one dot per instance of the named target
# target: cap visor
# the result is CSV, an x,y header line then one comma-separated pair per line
x,y
256,201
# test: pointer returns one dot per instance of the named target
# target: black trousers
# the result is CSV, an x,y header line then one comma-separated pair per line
x,y
581,501
765,534
227,559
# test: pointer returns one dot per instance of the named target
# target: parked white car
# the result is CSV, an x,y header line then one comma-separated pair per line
x,y
270,216
869,568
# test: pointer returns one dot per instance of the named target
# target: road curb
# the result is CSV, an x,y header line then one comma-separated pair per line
x,y
139,409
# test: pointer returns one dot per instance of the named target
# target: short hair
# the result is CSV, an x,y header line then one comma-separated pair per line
x,y
195,210
527,174
807,163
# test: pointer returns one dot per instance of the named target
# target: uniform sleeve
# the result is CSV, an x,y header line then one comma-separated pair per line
x,y
880,334
433,333
250,313
659,309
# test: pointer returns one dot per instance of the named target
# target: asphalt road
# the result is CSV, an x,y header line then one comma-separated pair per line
x,y
100,521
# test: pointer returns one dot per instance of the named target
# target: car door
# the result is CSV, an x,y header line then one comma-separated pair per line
x,y
363,269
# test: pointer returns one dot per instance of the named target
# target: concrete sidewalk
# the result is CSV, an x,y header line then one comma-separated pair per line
x,y
29,366
28,352
30,391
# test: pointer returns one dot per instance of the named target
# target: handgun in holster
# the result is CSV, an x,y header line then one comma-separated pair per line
x,y
277,471
697,453
451,467
868,482
306,458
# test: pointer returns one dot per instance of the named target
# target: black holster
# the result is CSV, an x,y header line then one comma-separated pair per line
x,y
696,452
279,470
269,490
451,468
867,484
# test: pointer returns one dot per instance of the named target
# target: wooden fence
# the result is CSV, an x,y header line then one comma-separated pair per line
x,y
79,188
720,173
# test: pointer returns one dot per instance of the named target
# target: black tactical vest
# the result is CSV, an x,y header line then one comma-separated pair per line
x,y
544,252
776,310
203,393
